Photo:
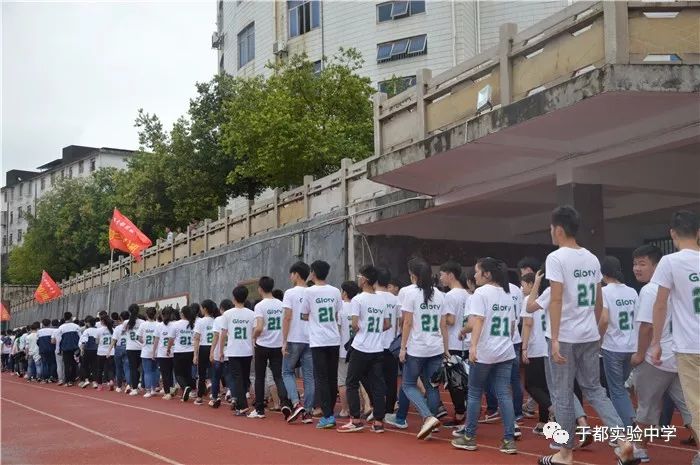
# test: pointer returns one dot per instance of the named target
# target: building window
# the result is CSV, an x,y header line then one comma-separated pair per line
x,y
70,173
63,174
12,217
10,238
20,213
246,45
396,85
29,209
402,48
304,15
4,197
318,67
19,236
92,165
4,240
21,189
81,166
390,11
53,179
42,183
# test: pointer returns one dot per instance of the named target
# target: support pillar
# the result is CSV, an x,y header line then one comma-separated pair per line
x,y
587,199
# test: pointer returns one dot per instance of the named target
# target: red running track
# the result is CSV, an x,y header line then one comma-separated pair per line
x,y
47,424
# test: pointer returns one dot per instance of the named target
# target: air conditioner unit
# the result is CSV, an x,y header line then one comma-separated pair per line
x,y
217,40
279,48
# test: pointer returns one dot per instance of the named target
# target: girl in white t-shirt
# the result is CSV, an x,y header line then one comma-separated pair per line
x,y
147,338
105,363
164,334
133,348
182,345
491,321
203,337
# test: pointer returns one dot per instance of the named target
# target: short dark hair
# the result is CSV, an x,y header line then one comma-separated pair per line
x,y
685,223
350,288
320,269
612,268
67,316
35,325
529,262
226,304
266,283
115,316
240,294
528,278
650,251
568,218
383,276
278,294
55,323
370,273
453,267
301,268
46,322
394,282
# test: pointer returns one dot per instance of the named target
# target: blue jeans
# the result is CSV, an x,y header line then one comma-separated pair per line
x,y
422,367
299,351
404,403
217,372
34,369
617,369
497,375
516,388
121,365
48,365
150,373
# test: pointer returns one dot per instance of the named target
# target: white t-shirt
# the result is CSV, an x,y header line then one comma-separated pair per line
x,y
183,336
88,333
645,314
132,342
455,304
216,328
164,333
537,344
298,328
147,333
403,292
240,322
517,295
393,308
621,335
496,307
425,339
680,273
579,272
345,324
371,310
271,313
543,302
104,340
120,336
205,328
322,305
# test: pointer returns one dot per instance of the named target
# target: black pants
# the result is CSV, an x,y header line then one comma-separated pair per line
x,y
459,397
203,370
70,368
182,362
391,374
166,372
5,361
325,361
536,386
369,367
134,357
240,372
105,369
88,366
263,355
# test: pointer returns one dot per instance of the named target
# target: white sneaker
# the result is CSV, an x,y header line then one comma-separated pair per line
x,y
94,385
148,394
428,426
134,392
84,384
255,414
167,397
118,389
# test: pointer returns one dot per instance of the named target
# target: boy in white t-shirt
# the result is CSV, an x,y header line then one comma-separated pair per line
x,y
349,291
678,278
321,305
391,364
575,280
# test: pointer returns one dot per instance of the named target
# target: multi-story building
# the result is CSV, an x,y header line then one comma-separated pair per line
x,y
396,38
24,189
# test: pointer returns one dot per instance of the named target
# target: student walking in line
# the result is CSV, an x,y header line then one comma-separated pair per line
x,y
147,333
105,364
165,332
133,348
182,346
203,337
67,338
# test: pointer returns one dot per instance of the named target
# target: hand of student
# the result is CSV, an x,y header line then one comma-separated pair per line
x,y
556,355
195,359
655,352
402,355
284,349
637,359
524,358
211,357
539,275
472,355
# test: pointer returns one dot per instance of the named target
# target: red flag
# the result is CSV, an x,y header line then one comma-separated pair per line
x,y
124,236
47,290
4,313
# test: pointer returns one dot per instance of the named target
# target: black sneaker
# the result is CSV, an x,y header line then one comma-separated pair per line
x,y
307,418
286,412
297,411
186,394
216,403
377,428
442,412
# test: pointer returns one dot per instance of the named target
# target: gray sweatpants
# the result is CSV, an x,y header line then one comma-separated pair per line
x,y
582,365
578,408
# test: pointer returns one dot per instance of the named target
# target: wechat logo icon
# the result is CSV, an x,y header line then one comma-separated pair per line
x,y
553,430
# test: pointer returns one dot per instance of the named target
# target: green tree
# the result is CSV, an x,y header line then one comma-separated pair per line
x,y
297,122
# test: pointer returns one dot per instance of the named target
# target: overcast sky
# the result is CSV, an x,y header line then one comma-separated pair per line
x,y
76,73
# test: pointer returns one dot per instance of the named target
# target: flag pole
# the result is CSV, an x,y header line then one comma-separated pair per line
x,y
109,285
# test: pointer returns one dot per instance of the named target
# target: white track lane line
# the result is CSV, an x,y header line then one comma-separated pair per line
x,y
103,436
239,431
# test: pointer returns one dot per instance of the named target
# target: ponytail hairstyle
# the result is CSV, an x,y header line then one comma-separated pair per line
x,y
107,322
133,315
195,308
424,278
188,314
210,308
123,316
498,271
167,315
151,313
